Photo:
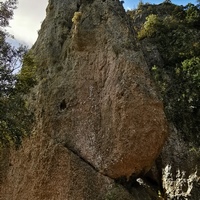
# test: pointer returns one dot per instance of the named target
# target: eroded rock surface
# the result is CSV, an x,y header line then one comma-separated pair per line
x,y
97,97
46,171
98,116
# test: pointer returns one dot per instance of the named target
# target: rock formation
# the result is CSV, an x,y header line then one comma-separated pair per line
x,y
98,117
180,168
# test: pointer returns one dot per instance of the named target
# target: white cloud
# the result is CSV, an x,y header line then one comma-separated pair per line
x,y
27,20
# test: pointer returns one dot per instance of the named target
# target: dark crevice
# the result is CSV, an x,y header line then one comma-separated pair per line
x,y
154,186
121,181
81,158
78,6
63,105
134,182
92,166
128,183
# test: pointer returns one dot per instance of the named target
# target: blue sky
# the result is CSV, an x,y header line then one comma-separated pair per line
x,y
131,4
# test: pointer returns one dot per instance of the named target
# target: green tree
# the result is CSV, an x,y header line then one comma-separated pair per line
x,y
6,11
151,27
15,119
175,32
184,99
192,15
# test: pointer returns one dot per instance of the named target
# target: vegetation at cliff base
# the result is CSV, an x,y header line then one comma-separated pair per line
x,y
15,118
175,31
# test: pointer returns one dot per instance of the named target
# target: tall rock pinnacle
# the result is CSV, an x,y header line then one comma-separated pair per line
x,y
96,107
97,97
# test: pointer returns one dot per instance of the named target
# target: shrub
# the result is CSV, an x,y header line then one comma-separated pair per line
x,y
76,18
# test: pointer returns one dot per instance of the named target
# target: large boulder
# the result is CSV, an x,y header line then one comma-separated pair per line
x,y
95,94
98,116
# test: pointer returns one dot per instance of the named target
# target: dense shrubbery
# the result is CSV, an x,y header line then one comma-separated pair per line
x,y
175,30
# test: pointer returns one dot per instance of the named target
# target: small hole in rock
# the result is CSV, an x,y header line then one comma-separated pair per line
x,y
63,105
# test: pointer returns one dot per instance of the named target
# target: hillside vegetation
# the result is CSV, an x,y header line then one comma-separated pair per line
x,y
175,32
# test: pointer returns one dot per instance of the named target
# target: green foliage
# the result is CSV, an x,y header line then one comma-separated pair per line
x,y
192,15
180,92
150,27
6,11
188,88
175,30
26,79
15,118
140,4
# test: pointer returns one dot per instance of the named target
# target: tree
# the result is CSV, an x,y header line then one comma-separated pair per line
x,y
184,99
15,119
6,11
167,1
151,27
192,15
176,35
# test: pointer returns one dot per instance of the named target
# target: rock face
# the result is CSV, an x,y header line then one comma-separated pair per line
x,y
98,117
97,98
180,168
45,171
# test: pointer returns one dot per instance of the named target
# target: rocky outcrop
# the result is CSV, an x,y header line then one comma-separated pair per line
x,y
44,170
176,172
98,117
98,94
180,168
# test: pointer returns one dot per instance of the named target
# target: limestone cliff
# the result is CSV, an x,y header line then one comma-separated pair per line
x,y
98,117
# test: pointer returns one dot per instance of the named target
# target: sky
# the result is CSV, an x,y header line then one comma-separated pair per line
x,y
30,14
